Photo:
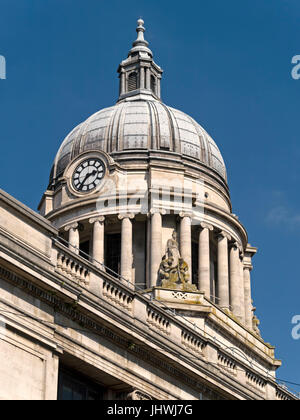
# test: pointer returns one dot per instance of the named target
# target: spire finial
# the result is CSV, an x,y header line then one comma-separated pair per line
x,y
139,75
140,31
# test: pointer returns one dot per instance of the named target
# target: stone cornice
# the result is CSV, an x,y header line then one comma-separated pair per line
x,y
27,212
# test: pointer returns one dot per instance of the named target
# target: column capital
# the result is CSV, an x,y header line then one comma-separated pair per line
x,y
233,245
222,234
183,214
96,219
204,225
163,212
248,267
123,216
74,225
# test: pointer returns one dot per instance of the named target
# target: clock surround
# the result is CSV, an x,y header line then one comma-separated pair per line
x,y
88,175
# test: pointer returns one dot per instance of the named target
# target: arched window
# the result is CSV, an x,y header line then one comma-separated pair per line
x,y
132,82
153,84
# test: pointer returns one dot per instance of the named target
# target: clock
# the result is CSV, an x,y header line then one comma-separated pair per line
x,y
88,175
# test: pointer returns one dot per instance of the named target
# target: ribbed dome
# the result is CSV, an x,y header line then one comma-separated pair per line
x,y
140,125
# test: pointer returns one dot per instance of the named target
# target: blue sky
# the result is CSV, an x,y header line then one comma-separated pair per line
x,y
226,63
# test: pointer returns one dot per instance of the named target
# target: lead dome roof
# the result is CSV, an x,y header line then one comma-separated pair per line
x,y
140,121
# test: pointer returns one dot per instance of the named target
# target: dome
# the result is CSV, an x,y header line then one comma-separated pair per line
x,y
141,122
140,125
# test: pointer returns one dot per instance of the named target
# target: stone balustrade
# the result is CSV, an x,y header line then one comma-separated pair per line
x,y
157,321
227,363
256,381
193,343
122,296
117,295
72,267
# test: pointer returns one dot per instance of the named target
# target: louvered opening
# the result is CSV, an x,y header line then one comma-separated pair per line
x,y
153,84
132,82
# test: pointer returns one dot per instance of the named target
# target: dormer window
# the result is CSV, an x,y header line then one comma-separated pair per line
x,y
132,82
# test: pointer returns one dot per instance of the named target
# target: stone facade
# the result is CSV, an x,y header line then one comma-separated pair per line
x,y
134,282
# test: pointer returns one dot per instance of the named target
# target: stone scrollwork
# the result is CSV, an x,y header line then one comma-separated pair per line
x,y
174,271
138,396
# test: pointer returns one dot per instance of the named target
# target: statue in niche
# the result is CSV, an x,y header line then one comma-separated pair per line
x,y
174,271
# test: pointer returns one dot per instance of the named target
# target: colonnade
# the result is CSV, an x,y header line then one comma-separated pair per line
x,y
233,277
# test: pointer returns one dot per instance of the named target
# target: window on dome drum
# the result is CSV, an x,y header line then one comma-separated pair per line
x,y
153,84
113,252
132,82
74,387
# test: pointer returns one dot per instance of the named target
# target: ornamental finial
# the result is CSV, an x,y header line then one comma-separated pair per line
x,y
140,41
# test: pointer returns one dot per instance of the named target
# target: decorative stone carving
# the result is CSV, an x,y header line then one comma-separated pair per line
x,y
138,396
174,271
255,323
73,226
100,219
172,249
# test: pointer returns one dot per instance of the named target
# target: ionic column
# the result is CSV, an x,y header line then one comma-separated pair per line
x,y
159,87
235,281
74,239
204,259
126,246
186,240
223,274
248,298
156,246
98,240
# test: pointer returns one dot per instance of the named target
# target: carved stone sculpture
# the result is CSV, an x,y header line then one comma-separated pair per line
x,y
138,396
174,271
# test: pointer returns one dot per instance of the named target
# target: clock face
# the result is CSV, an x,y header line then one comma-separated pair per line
x,y
88,175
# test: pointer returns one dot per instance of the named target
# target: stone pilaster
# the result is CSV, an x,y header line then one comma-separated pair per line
x,y
235,282
142,77
223,270
250,251
159,87
204,259
148,82
242,287
248,299
122,83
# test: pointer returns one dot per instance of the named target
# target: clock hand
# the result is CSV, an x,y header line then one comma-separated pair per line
x,y
87,177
